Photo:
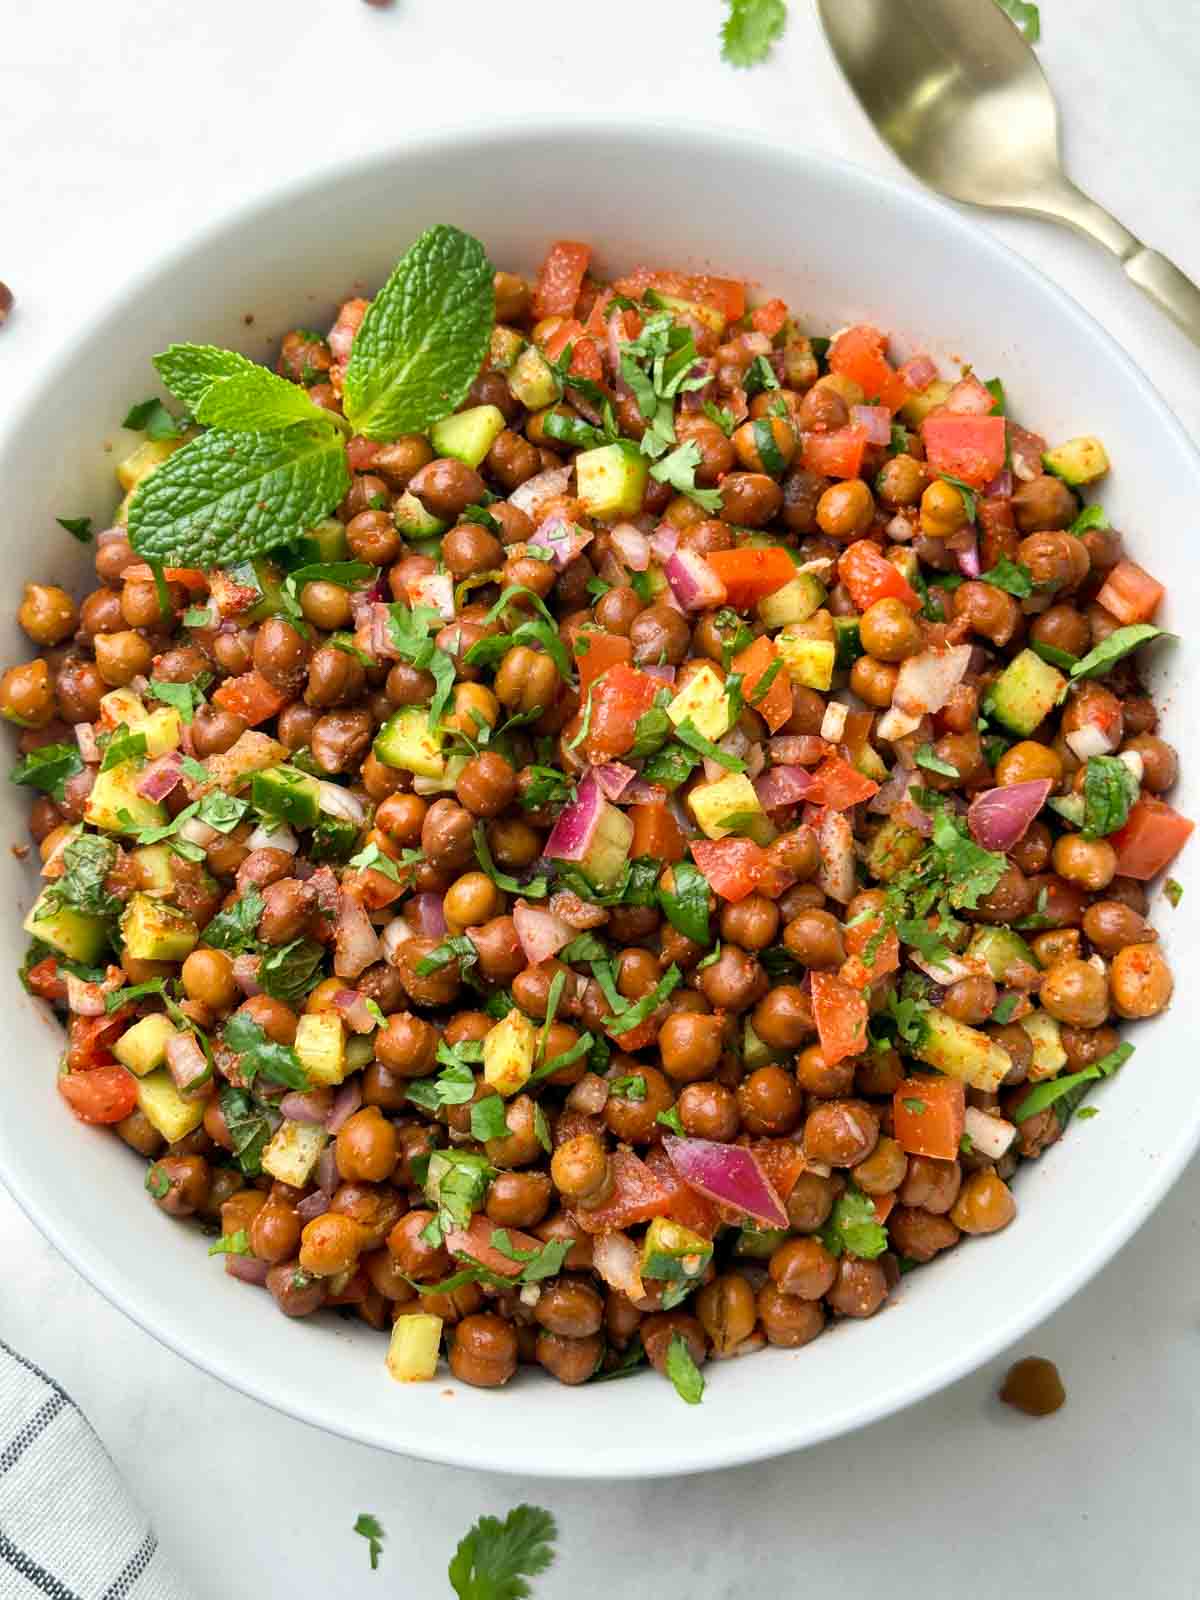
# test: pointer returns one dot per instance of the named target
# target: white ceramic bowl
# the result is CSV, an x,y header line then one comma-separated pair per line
x,y
839,245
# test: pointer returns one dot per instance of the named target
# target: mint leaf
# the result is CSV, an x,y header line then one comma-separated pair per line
x,y
257,400
424,337
227,496
750,29
190,370
1120,643
47,768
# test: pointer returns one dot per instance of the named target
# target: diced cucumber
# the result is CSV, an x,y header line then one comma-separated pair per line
x,y
869,762
266,577
505,347
704,703
143,1048
893,848
755,1053
333,839
1077,462
121,705
758,1244
72,933
161,1103
329,536
809,661
1001,950
115,792
467,435
847,641
962,1052
918,406
294,1152
604,860
714,804
1045,1034
413,521
136,467
287,793
414,1347
532,381
407,741
1025,693
155,931
153,865
709,316
508,1050
161,729
673,1253
321,1047
795,602
1071,807
611,480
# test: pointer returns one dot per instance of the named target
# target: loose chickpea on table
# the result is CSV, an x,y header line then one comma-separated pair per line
x,y
511,933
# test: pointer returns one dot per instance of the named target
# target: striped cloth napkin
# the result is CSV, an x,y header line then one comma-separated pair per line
x,y
68,1527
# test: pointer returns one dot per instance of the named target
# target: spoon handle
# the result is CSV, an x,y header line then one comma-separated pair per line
x,y
1171,290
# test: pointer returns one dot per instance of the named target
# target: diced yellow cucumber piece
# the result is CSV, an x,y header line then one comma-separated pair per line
x,y
1077,462
321,1046
294,1151
809,661
140,463
532,381
165,1108
795,602
708,316
918,406
155,931
153,865
114,792
893,848
611,480
704,703
143,1048
507,344
468,435
406,741
161,729
508,1050
72,933
962,1052
1045,1034
868,761
360,1051
329,536
1000,950
252,753
712,804
1025,693
414,1347
121,705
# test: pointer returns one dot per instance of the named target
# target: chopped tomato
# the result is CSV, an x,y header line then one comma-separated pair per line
x,y
1130,593
89,1038
782,1162
856,970
655,833
43,980
585,358
834,455
836,783
560,278
1152,837
618,700
884,1205
964,446
858,354
733,867
107,1094
629,324
750,575
251,697
726,294
686,1205
189,577
928,1115
374,889
637,1195
870,576
770,319
595,652
476,1240
840,1013
775,706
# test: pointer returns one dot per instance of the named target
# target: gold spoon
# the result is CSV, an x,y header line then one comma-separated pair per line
x,y
960,97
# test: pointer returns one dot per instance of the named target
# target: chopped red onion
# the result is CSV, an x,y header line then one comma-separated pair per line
x,y
729,1174
615,1257
664,541
307,1105
875,421
352,1008
436,590
990,1135
798,749
542,934
1001,485
397,932
577,823
85,999
968,559
537,491
431,916
373,632
693,581
661,671
248,1268
1089,741
927,680
999,818
313,1205
186,1061
356,944
782,786
631,545
85,738
161,776
565,540
969,398
577,913
614,777
326,1173
245,974
345,1103
835,841
335,801
918,372
641,793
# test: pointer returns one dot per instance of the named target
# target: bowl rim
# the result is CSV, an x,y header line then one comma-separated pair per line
x,y
782,1433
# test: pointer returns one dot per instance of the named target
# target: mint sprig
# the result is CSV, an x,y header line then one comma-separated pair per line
x,y
423,340
230,495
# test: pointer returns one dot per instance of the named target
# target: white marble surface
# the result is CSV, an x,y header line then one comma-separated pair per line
x,y
123,125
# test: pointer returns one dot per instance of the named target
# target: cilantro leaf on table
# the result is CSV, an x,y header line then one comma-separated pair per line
x,y
750,30
229,495
495,1558
423,338
371,1530
47,768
